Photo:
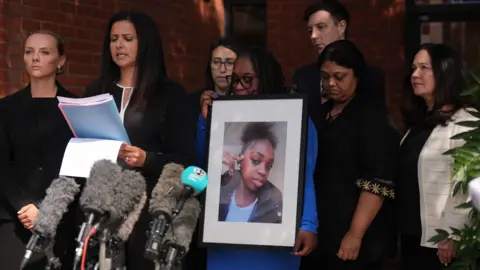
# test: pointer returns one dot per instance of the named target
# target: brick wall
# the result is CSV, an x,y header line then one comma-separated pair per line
x,y
187,27
376,27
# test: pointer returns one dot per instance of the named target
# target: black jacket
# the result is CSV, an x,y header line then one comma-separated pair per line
x,y
164,128
31,150
306,80
269,205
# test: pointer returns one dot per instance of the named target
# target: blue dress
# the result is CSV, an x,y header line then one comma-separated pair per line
x,y
242,258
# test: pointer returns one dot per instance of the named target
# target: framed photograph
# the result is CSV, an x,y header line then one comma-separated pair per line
x,y
256,168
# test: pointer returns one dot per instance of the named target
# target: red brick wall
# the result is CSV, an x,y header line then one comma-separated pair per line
x,y
187,28
376,27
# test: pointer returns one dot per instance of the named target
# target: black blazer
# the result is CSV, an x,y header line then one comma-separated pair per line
x,y
165,129
31,151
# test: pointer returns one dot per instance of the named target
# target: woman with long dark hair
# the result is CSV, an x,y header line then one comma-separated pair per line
x,y
355,166
425,202
154,109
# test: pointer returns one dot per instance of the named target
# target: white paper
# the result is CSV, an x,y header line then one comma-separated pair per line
x,y
81,154
85,101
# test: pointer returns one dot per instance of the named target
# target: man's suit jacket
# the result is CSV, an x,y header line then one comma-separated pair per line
x,y
31,150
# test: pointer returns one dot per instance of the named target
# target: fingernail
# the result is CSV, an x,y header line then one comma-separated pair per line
x,y
216,95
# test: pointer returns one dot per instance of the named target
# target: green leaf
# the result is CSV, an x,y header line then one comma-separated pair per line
x,y
437,239
472,124
475,77
456,188
474,113
466,205
462,135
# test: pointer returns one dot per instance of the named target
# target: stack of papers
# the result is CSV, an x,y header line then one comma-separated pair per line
x,y
98,130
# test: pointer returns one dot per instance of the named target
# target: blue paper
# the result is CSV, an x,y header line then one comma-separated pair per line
x,y
99,119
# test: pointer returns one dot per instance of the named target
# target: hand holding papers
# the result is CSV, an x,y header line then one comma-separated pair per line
x,y
99,131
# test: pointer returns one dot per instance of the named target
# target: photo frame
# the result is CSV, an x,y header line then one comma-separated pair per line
x,y
253,198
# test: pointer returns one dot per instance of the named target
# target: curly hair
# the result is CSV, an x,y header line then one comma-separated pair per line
x,y
254,131
269,70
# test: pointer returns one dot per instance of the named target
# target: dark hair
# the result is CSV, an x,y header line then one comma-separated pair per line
x,y
346,54
254,131
226,42
337,10
268,69
58,41
150,63
450,76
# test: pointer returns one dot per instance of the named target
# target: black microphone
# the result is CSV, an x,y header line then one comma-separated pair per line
x,y
110,194
59,195
163,201
183,227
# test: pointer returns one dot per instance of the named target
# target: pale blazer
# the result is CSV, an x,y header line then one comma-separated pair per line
x,y
437,204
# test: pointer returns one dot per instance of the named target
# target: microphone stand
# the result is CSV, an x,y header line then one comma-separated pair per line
x,y
104,263
53,261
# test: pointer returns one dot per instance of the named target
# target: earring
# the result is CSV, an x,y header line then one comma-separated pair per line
x,y
237,165
59,69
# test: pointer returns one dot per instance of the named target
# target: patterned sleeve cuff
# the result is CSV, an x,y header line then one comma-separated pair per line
x,y
378,186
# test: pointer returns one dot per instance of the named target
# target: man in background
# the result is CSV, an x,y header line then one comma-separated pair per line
x,y
327,21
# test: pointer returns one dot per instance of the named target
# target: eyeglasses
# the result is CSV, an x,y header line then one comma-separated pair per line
x,y
245,80
217,63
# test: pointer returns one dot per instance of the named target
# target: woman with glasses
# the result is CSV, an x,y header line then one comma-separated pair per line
x,y
223,54
257,72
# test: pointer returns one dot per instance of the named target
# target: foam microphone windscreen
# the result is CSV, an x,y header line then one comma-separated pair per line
x,y
98,194
126,227
128,193
183,225
59,195
167,191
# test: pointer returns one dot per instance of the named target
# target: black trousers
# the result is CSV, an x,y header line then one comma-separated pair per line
x,y
13,240
415,256
317,261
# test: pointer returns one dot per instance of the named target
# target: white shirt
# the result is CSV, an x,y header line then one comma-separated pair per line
x,y
129,91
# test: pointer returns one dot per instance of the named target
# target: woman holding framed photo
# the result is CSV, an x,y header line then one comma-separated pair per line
x,y
257,72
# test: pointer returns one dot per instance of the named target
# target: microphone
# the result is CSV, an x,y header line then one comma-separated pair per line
x,y
163,201
126,227
195,181
109,195
183,227
59,195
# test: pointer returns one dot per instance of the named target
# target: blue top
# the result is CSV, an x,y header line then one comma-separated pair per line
x,y
241,258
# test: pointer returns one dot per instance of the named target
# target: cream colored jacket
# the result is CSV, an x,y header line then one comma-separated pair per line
x,y
437,204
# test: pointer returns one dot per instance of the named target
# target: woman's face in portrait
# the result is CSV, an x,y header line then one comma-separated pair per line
x,y
256,164
41,56
223,60
422,79
123,44
339,83
244,79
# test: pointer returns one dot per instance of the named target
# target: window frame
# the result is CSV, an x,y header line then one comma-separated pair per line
x,y
416,14
228,11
